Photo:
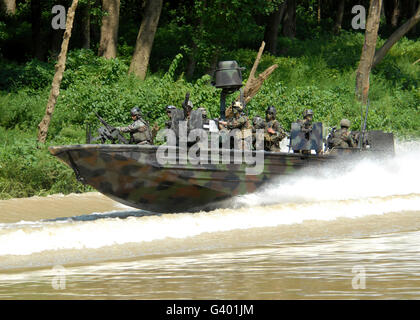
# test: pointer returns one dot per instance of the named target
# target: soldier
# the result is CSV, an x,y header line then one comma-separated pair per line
x,y
306,123
229,112
168,124
187,107
306,127
139,129
342,138
239,121
206,121
274,132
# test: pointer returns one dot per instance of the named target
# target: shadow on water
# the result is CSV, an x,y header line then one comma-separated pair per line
x,y
98,216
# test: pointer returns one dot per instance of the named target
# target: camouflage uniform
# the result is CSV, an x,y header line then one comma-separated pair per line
x,y
274,132
240,121
139,130
342,138
168,124
229,113
306,127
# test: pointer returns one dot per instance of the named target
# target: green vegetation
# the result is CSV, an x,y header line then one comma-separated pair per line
x,y
316,71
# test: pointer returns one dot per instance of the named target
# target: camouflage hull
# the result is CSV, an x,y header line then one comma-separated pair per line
x,y
131,174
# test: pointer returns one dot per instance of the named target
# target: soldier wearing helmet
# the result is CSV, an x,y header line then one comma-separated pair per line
x,y
306,123
139,129
274,132
169,109
239,121
206,120
342,138
306,127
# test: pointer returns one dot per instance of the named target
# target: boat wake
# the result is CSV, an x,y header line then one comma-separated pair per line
x,y
373,197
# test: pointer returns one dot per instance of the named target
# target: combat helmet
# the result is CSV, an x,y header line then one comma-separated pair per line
x,y
258,122
308,112
345,123
238,106
135,111
271,110
203,112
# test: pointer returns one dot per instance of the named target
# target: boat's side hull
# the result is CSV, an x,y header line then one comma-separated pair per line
x,y
133,176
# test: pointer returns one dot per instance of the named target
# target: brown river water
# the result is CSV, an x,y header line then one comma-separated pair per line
x,y
331,235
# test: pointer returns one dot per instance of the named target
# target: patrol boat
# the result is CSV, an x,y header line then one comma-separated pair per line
x,y
135,175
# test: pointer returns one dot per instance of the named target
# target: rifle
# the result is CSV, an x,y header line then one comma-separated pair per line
x,y
185,104
328,142
114,133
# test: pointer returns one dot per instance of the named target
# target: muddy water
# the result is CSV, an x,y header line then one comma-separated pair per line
x,y
329,235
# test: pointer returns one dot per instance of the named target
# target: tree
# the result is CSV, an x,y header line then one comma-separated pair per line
x,y
392,12
109,29
319,11
85,24
37,47
289,21
339,17
368,51
397,35
9,6
272,28
145,38
58,76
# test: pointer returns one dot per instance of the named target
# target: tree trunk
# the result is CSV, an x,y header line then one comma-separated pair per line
x,y
192,62
145,38
192,59
413,9
395,13
397,35
368,52
86,25
392,12
58,76
289,21
9,6
253,84
37,47
319,12
109,29
272,28
339,17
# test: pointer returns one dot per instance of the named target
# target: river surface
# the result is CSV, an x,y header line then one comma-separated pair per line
x,y
323,235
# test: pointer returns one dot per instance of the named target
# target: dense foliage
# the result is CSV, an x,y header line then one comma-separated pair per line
x,y
316,71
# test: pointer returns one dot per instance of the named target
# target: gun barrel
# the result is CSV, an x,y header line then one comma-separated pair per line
x,y
111,129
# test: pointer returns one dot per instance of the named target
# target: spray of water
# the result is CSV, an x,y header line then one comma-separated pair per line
x,y
399,175
370,187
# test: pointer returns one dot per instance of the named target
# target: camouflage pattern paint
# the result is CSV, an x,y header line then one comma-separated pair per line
x,y
131,175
